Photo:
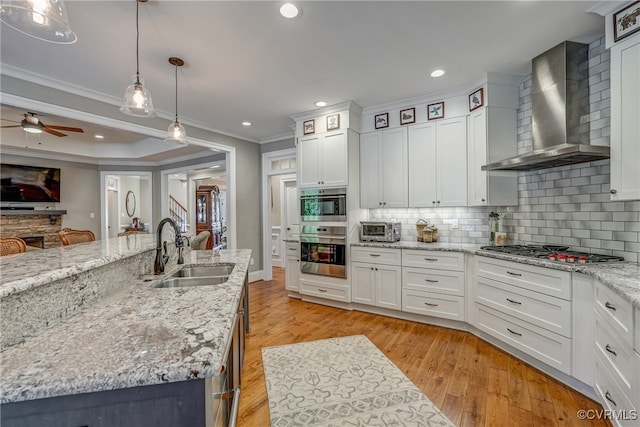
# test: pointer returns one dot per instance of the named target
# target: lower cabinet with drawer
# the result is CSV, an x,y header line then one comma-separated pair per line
x,y
433,283
525,306
325,289
617,363
377,281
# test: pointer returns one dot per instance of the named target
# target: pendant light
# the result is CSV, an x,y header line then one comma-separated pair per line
x,y
137,99
176,134
43,19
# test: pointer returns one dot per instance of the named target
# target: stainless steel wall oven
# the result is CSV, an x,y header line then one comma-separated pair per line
x,y
323,250
323,204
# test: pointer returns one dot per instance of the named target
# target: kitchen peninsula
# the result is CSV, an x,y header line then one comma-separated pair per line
x,y
90,338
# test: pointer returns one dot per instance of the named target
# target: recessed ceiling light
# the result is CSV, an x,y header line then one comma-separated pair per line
x,y
289,10
437,73
98,136
321,104
245,123
215,167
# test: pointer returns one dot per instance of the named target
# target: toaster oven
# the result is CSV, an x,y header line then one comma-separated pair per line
x,y
379,231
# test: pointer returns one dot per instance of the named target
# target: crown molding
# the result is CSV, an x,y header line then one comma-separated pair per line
x,y
329,109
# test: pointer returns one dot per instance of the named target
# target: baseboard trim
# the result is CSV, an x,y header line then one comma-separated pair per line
x,y
254,276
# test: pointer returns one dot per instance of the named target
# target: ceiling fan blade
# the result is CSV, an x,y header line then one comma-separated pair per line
x,y
53,132
12,126
69,129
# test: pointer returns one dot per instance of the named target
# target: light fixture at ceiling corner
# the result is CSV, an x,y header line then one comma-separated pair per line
x,y
137,99
176,134
42,19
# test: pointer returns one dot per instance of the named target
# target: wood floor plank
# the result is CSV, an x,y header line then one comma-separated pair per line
x,y
474,383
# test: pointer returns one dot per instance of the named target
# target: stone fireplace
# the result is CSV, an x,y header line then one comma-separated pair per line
x,y
39,227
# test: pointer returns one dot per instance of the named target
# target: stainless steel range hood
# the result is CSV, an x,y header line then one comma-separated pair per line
x,y
560,110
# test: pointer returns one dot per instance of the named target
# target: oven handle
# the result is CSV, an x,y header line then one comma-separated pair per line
x,y
320,239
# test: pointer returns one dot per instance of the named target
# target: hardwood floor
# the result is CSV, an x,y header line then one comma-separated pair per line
x,y
472,382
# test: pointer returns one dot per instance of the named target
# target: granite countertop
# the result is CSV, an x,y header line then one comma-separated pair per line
x,y
622,277
138,336
37,268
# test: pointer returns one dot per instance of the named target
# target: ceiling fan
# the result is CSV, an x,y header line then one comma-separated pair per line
x,y
32,124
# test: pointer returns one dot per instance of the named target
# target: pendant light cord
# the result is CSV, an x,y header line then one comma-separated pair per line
x,y
137,43
176,67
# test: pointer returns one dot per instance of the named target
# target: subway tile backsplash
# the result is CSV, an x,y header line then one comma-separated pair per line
x,y
568,205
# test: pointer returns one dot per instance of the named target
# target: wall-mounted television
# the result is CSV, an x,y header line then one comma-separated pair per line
x,y
29,183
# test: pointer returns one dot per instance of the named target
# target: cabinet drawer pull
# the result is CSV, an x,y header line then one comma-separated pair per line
x,y
322,290
514,302
431,281
607,395
430,304
609,306
375,255
608,348
514,274
514,333
431,259
293,249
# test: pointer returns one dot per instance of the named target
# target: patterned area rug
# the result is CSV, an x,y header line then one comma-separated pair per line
x,y
342,382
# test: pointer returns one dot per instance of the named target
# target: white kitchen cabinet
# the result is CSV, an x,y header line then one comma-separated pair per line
x,y
323,160
292,267
384,175
527,307
625,119
492,136
617,376
433,283
378,282
438,163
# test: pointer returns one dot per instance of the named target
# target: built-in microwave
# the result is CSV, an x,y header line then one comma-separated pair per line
x,y
323,205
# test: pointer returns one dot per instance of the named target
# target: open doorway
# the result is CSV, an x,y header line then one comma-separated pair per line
x,y
127,202
279,206
202,191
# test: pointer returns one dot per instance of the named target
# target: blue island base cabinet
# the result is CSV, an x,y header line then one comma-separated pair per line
x,y
180,404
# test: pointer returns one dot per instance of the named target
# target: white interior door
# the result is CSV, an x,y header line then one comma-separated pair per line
x,y
291,211
113,220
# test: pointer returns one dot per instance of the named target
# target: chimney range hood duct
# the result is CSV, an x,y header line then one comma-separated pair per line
x,y
560,101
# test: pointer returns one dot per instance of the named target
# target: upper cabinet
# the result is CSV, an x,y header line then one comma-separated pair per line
x,y
323,160
327,146
384,169
625,119
438,163
492,136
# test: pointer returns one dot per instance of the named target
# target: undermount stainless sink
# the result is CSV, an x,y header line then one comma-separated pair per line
x,y
205,271
203,275
183,282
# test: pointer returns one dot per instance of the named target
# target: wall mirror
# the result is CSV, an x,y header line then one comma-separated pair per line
x,y
130,203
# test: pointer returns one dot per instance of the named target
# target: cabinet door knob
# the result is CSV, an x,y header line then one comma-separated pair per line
x,y
433,202
483,200
384,203
613,191
379,203
438,201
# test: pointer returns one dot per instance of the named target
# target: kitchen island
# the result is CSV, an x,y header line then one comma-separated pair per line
x,y
133,343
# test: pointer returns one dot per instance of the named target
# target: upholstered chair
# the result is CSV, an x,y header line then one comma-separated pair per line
x,y
199,242
69,236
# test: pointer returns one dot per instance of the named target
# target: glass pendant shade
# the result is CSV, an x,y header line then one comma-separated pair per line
x,y
43,19
176,134
137,100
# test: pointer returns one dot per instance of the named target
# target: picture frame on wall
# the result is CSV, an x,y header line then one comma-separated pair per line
x,y
435,111
308,127
408,116
333,122
626,21
476,99
381,120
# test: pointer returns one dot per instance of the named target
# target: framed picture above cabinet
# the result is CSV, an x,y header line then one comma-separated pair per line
x,y
309,127
435,111
381,120
408,116
476,99
626,21
333,122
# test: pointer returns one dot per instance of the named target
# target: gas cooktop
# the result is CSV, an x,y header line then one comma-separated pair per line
x,y
553,253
